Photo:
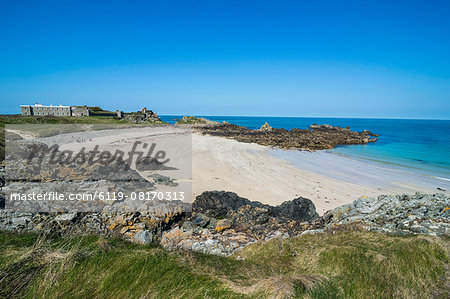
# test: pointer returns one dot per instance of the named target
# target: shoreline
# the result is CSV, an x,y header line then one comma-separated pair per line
x,y
417,176
253,172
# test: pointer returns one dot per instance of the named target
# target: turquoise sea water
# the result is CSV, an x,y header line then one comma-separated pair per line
x,y
419,145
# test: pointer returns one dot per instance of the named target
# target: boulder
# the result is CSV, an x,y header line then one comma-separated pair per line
x,y
210,247
299,209
172,237
143,237
218,204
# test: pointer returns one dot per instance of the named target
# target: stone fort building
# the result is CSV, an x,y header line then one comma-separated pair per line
x,y
42,110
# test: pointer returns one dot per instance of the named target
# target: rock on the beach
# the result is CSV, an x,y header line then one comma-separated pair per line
x,y
212,223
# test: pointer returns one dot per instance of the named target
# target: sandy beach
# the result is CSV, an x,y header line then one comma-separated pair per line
x,y
259,172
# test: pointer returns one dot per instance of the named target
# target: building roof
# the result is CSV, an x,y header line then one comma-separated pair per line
x,y
40,105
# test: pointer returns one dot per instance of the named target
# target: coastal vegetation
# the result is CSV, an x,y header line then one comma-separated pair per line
x,y
348,263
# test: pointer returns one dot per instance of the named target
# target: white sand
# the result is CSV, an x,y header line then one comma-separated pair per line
x,y
258,173
262,173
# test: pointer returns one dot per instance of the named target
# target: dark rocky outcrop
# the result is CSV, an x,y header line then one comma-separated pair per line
x,y
219,204
254,217
298,209
316,137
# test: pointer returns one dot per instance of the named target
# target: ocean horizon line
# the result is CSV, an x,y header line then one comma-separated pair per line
x,y
337,117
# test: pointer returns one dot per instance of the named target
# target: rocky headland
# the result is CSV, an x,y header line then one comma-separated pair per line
x,y
316,137
187,121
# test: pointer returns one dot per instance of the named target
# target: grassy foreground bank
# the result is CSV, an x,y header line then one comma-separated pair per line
x,y
349,263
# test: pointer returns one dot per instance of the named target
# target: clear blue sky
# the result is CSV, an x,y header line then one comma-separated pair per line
x,y
268,58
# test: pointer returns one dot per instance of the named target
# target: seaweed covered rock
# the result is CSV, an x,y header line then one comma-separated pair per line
x,y
316,137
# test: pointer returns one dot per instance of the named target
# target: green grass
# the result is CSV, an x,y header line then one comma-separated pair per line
x,y
94,267
345,264
359,264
